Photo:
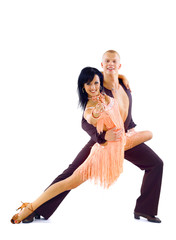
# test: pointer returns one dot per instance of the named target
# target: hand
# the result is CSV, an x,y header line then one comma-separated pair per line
x,y
99,108
113,135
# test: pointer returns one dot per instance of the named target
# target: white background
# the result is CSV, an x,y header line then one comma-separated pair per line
x,y
44,45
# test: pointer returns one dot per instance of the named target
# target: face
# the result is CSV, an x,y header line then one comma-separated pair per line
x,y
111,63
93,88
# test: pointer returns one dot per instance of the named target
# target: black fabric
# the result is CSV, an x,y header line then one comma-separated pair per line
x,y
142,156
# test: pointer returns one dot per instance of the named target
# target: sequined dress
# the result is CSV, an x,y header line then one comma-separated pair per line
x,y
105,163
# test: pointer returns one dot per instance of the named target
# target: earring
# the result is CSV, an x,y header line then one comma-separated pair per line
x,y
83,90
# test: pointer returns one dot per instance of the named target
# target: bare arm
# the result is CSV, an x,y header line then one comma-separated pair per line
x,y
92,114
89,118
125,81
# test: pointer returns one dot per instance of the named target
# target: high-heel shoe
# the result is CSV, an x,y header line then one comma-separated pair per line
x,y
150,218
15,218
31,217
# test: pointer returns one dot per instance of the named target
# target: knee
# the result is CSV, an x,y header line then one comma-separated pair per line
x,y
72,185
150,135
159,164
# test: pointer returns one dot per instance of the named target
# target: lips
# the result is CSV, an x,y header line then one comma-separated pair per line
x,y
110,68
93,92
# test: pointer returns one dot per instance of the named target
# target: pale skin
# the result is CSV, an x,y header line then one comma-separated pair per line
x,y
111,65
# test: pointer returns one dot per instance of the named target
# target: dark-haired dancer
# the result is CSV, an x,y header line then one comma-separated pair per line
x,y
105,162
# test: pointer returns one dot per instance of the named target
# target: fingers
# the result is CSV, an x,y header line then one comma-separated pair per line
x,y
118,130
99,107
116,134
113,129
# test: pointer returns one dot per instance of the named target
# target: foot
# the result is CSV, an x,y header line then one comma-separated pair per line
x,y
26,210
150,218
31,218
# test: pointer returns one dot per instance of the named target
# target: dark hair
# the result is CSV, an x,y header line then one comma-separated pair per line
x,y
86,76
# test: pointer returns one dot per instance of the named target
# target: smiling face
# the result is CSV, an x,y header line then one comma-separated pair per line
x,y
93,88
111,63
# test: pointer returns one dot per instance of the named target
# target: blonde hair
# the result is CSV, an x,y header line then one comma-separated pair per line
x,y
112,51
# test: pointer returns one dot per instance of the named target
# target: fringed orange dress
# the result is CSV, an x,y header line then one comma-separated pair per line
x,y
105,163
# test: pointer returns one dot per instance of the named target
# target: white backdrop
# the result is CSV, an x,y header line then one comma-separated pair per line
x,y
44,45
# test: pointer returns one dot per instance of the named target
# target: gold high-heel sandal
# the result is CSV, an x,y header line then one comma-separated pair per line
x,y
14,219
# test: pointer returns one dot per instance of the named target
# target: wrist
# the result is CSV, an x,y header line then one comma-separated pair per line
x,y
96,112
101,137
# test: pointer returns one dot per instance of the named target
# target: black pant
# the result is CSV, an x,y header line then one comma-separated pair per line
x,y
142,156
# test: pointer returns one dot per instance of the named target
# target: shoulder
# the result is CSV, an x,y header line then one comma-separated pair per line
x,y
122,84
128,91
90,105
88,110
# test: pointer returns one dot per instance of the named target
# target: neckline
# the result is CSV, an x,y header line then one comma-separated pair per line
x,y
126,92
100,97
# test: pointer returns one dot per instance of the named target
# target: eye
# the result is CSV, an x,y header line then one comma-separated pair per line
x,y
97,82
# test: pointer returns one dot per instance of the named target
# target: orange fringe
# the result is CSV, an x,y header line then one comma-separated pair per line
x,y
105,163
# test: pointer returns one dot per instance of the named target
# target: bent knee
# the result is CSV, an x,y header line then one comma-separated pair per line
x,y
149,135
159,164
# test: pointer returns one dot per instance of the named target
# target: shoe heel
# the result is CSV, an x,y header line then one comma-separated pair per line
x,y
37,216
136,216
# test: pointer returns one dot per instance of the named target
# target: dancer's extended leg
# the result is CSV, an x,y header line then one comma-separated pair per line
x,y
69,183
76,179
